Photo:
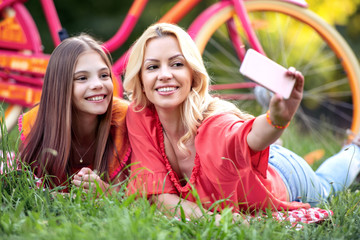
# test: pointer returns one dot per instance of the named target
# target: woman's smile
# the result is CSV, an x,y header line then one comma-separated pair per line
x,y
166,75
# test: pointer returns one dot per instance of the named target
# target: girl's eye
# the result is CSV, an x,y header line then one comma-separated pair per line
x,y
81,78
105,75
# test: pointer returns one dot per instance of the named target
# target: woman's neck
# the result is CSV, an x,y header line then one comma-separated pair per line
x,y
171,123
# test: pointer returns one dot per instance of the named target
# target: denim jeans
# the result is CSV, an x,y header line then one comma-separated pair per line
x,y
306,185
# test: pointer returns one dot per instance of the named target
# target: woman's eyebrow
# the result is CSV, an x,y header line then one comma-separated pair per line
x,y
156,60
175,56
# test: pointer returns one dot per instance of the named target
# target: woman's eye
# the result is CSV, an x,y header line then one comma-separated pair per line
x,y
151,67
178,64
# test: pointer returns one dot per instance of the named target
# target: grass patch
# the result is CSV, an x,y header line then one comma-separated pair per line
x,y
27,212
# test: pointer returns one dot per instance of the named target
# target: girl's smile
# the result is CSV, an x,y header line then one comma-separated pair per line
x,y
92,87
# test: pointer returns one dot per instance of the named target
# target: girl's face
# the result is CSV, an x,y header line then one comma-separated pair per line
x,y
92,87
166,75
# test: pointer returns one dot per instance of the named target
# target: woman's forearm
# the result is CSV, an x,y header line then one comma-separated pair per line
x,y
171,204
262,134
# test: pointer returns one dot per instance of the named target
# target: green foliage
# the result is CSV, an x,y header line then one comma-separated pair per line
x,y
336,11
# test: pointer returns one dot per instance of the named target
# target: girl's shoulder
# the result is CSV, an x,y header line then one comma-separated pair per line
x,y
119,110
26,121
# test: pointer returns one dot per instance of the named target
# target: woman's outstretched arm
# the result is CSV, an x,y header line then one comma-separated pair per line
x,y
281,111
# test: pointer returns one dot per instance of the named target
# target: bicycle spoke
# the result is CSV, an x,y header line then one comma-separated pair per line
x,y
327,86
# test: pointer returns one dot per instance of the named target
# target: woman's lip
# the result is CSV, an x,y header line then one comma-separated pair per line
x,y
166,89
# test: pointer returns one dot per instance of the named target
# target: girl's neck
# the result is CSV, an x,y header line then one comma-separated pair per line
x,y
85,128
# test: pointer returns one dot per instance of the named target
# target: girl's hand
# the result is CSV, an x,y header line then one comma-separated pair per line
x,y
86,179
283,110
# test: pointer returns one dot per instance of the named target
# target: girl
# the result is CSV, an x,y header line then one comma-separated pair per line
x,y
183,139
77,128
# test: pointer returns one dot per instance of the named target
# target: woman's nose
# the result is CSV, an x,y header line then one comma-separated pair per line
x,y
165,74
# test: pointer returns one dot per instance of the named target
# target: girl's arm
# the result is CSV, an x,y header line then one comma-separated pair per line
x,y
282,111
86,179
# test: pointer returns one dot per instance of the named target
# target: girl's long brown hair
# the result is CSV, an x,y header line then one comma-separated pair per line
x,y
47,148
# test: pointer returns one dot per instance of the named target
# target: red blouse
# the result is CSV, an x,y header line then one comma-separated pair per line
x,y
225,167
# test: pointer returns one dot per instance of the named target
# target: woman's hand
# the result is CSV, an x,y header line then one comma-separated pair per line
x,y
86,179
283,110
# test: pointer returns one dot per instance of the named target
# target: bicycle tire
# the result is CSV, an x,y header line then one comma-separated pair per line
x,y
318,117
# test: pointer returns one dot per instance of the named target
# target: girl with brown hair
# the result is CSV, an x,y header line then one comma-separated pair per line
x,y
78,128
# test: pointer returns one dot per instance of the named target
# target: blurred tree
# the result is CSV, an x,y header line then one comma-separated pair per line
x,y
344,15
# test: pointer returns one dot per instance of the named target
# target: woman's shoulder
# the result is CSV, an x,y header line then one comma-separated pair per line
x,y
220,123
141,114
222,118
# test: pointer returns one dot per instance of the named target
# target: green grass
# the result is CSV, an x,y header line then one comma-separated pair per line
x,y
27,212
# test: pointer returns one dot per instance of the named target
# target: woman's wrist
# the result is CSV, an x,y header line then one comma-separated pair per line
x,y
275,124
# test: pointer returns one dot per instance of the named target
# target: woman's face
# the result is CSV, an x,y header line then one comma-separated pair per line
x,y
166,76
92,86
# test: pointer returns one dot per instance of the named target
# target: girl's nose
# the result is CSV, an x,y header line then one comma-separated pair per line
x,y
164,74
96,83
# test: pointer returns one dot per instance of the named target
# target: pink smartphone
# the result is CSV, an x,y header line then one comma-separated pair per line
x,y
267,73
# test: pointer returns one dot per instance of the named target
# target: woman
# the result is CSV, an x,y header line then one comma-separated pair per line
x,y
184,140
77,129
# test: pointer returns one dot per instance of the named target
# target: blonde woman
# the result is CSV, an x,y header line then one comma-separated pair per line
x,y
183,139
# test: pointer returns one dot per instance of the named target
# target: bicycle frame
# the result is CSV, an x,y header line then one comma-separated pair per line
x,y
36,63
176,13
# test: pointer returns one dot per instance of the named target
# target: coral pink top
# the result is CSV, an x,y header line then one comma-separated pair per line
x,y
225,166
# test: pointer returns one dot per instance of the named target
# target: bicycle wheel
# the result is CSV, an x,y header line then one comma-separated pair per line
x,y
293,36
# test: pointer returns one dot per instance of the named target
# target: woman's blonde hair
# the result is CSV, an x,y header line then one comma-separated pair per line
x,y
199,104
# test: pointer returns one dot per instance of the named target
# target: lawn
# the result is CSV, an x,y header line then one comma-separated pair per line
x,y
31,213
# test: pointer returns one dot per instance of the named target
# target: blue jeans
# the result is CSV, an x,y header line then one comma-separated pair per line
x,y
306,185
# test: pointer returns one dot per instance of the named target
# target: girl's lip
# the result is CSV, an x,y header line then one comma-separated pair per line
x,y
96,97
